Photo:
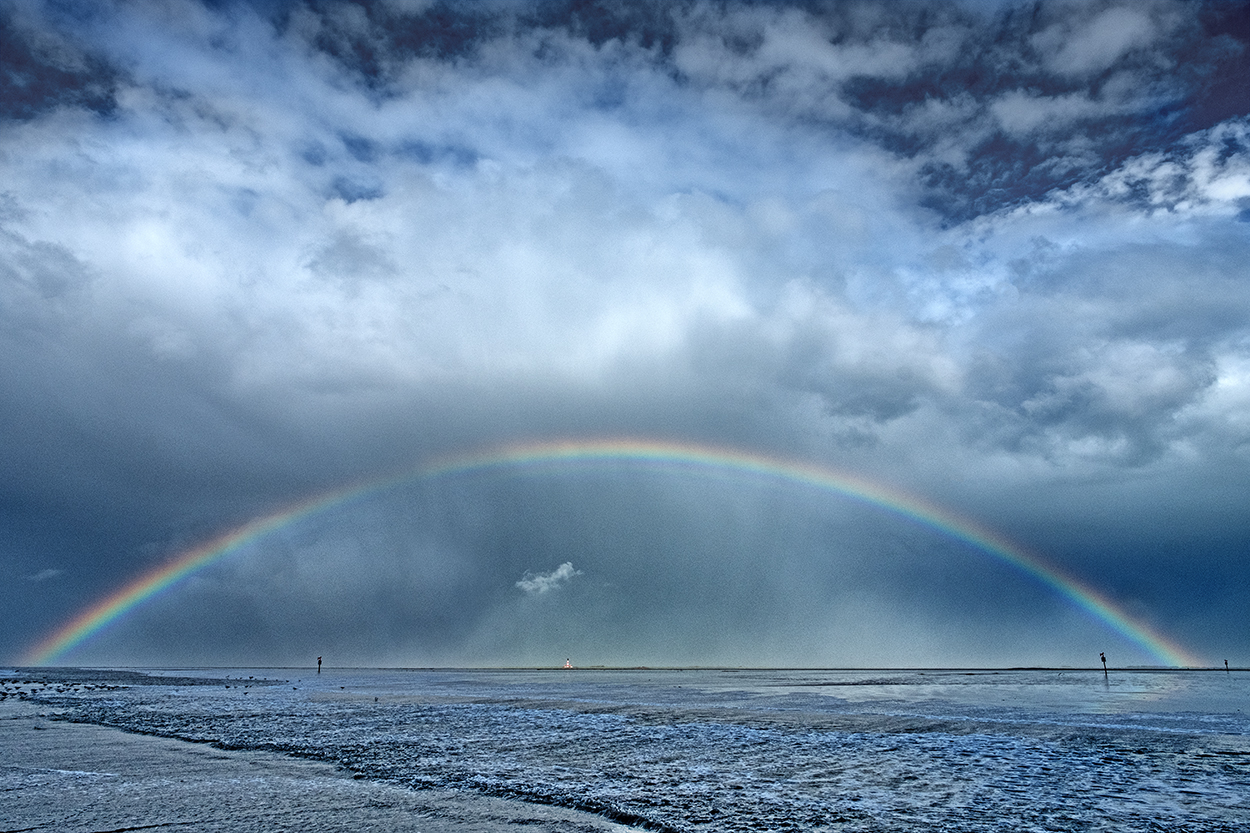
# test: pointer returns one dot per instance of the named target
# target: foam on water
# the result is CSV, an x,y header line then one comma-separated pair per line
x,y
767,750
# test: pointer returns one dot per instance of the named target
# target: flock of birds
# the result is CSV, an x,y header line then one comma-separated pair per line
x,y
26,689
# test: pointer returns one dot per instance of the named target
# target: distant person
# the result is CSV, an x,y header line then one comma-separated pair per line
x,y
318,665
1103,656
1225,665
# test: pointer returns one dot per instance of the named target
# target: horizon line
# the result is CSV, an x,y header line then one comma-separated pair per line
x,y
534,667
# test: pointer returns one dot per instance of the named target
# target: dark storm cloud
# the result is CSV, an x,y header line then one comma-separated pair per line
x,y
992,253
692,570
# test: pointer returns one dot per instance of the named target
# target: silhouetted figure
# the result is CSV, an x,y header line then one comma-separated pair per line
x,y
1225,666
1103,656
318,665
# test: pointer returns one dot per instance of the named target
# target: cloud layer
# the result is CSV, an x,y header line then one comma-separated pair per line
x,y
990,253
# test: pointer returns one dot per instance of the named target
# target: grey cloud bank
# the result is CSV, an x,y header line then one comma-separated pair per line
x,y
991,254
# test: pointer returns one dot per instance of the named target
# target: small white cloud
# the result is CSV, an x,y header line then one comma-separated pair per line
x,y
535,584
45,574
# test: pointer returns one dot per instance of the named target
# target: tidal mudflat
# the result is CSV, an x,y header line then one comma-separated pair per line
x,y
672,749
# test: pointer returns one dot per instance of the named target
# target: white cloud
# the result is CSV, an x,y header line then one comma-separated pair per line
x,y
1079,45
1207,174
536,584
577,242
1022,113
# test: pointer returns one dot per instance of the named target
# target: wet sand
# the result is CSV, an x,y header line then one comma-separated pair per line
x,y
76,778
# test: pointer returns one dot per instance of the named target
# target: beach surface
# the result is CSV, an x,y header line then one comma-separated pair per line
x,y
675,750
75,778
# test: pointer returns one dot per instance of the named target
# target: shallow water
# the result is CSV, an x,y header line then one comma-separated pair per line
x,y
737,750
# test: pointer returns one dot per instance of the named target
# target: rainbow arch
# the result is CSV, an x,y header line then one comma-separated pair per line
x,y
98,616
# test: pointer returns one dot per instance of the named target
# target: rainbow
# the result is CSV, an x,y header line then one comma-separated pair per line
x,y
98,616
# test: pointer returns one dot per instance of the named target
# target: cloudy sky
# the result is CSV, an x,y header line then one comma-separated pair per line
x,y
994,255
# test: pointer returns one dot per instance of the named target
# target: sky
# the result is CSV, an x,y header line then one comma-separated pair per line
x,y
990,255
